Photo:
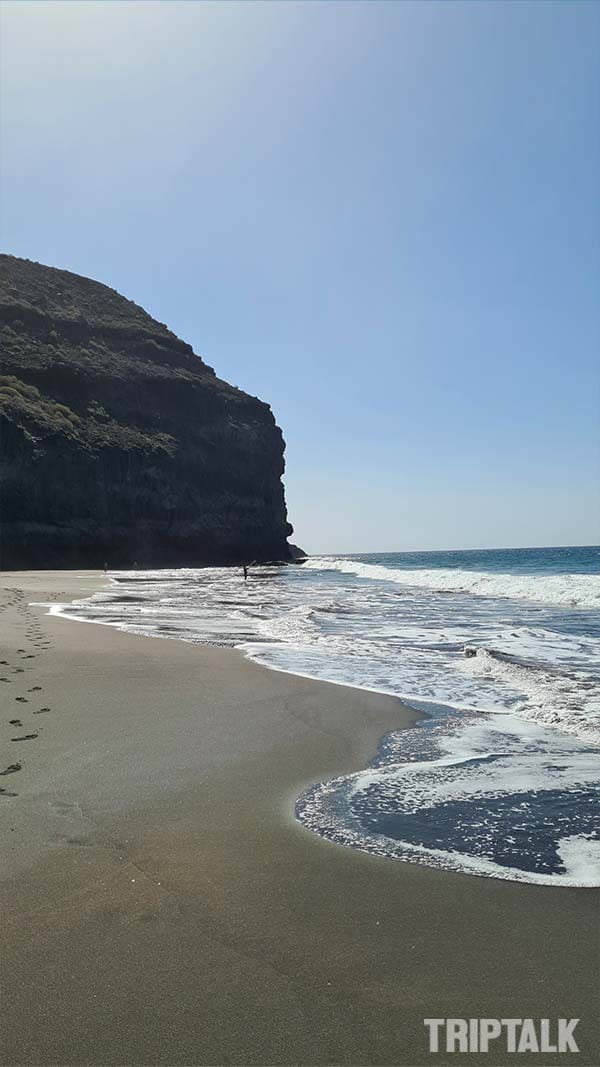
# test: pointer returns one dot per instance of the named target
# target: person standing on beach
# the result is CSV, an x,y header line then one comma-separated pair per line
x,y
245,573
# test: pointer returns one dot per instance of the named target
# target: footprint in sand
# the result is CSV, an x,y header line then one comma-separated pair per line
x,y
11,769
5,680
41,711
35,689
15,722
7,793
19,670
22,700
25,737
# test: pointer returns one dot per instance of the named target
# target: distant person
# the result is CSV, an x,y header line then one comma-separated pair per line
x,y
135,564
245,573
106,568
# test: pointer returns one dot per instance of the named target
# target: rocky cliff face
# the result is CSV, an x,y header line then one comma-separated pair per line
x,y
117,443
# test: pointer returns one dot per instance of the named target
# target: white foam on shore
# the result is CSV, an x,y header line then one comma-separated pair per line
x,y
581,857
511,799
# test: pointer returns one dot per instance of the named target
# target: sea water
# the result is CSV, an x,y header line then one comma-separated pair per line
x,y
501,650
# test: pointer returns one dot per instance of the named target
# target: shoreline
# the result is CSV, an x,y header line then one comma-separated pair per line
x,y
163,905
329,821
427,706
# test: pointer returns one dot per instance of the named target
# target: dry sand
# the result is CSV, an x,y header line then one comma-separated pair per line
x,y
160,905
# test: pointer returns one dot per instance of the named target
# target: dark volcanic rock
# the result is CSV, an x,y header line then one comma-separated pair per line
x,y
117,443
297,555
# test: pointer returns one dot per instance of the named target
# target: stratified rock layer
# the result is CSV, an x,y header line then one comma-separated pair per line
x,y
117,443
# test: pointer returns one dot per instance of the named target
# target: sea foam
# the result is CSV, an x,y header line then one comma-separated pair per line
x,y
485,795
568,590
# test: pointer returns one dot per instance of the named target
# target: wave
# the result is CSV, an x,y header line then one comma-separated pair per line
x,y
568,590
569,703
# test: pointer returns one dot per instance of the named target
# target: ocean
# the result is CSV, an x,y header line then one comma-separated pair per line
x,y
499,648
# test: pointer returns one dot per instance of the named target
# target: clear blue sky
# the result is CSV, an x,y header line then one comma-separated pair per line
x,y
383,218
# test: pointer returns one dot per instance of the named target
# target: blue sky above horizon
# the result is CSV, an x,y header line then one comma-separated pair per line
x,y
382,218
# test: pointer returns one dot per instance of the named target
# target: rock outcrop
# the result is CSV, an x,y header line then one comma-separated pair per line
x,y
118,443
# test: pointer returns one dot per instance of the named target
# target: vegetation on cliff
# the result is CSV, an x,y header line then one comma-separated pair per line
x,y
118,443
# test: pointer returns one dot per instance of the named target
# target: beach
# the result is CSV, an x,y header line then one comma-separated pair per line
x,y
161,904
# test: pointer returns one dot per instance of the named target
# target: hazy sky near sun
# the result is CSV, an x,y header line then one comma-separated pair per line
x,y
383,218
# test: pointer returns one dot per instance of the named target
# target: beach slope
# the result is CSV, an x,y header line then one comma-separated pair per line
x,y
161,905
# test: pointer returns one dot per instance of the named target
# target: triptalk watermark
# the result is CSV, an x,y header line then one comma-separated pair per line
x,y
509,1035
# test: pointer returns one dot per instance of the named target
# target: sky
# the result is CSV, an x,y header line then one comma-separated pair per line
x,y
381,218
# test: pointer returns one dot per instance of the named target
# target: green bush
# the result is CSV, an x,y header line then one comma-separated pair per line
x,y
66,412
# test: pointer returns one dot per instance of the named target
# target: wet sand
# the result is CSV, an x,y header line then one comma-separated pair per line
x,y
160,904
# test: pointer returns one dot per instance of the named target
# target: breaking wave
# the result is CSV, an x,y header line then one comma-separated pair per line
x,y
568,590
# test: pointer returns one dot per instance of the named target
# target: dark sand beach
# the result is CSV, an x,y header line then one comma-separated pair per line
x,y
161,905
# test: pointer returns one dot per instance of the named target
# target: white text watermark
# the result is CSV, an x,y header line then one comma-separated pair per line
x,y
509,1035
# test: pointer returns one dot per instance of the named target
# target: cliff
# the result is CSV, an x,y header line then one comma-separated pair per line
x,y
118,443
